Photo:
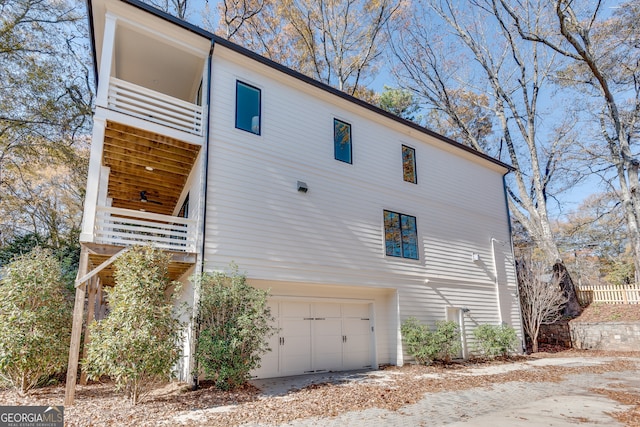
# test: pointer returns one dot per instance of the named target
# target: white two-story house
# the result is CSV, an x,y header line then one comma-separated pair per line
x,y
354,219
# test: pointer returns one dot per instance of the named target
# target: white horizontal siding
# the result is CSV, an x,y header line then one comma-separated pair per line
x,y
334,233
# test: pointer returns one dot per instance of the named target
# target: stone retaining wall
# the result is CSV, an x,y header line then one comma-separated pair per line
x,y
616,336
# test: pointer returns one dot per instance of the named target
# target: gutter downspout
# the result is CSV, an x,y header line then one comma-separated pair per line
x,y
92,34
203,228
495,275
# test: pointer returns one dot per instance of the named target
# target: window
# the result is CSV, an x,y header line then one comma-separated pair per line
x,y
184,210
400,235
247,108
409,164
342,141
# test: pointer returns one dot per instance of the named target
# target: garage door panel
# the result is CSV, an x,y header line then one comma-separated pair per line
x,y
295,309
296,337
357,360
269,362
327,310
328,327
355,310
329,357
357,353
327,340
295,364
357,327
296,341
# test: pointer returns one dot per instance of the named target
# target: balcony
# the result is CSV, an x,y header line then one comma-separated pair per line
x,y
127,227
143,103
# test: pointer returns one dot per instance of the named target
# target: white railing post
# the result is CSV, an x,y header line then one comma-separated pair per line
x,y
106,59
93,180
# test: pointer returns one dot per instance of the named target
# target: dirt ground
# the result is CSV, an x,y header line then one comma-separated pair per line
x,y
99,405
610,313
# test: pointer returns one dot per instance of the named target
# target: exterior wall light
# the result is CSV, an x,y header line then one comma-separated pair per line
x,y
302,187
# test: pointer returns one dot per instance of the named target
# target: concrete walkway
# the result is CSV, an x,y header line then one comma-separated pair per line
x,y
562,404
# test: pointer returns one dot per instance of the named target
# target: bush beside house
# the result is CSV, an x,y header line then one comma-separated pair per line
x,y
496,340
425,345
138,344
235,323
35,320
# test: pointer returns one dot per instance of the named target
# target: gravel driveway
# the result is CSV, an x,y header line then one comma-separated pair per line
x,y
571,401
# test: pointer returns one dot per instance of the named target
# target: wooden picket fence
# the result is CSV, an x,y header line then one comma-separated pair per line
x,y
608,294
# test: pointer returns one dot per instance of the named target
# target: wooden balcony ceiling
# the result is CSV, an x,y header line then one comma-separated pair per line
x,y
178,266
142,161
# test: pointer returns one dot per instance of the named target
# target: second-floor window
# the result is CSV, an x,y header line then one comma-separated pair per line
x,y
409,164
400,235
184,209
342,141
248,108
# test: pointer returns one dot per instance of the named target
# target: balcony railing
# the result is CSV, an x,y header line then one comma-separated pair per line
x,y
126,227
154,106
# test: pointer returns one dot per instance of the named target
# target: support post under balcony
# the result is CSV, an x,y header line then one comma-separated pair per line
x,y
76,332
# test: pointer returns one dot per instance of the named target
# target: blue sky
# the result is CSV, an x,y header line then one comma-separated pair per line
x,y
569,200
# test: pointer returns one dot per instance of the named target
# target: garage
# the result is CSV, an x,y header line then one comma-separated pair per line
x,y
318,337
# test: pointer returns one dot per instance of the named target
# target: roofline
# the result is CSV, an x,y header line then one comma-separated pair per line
x,y
295,74
92,33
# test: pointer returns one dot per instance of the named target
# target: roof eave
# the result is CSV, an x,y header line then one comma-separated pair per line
x,y
295,74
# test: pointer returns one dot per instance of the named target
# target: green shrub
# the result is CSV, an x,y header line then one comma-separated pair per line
x,y
426,346
235,325
138,344
446,339
494,340
35,320
417,339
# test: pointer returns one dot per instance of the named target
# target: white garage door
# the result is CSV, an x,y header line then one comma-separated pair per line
x,y
317,337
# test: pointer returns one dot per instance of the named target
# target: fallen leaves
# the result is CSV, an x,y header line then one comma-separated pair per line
x,y
598,312
631,417
390,389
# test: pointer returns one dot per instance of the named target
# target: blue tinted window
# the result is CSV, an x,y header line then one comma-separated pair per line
x,y
392,236
247,108
400,235
409,164
342,140
409,237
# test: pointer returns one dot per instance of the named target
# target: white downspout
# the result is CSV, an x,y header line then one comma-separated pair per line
x,y
495,276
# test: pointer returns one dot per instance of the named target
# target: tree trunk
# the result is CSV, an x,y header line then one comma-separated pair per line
x,y
561,276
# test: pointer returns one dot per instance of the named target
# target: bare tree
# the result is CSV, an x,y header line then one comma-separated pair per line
x,y
45,106
541,299
483,83
177,8
603,55
338,42
234,14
